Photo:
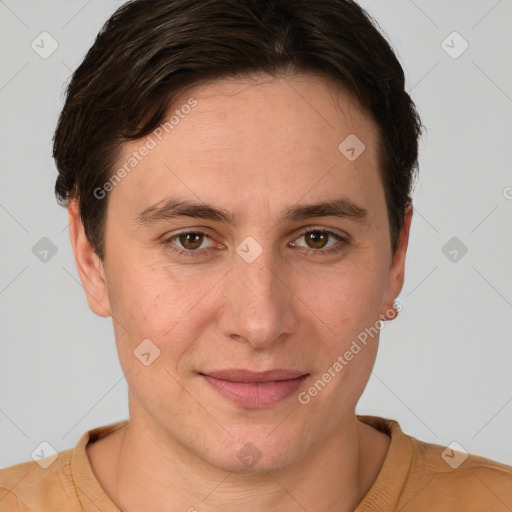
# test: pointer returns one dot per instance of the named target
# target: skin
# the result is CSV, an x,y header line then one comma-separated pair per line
x,y
255,147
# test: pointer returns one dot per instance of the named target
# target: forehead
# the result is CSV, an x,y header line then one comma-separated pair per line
x,y
273,115
258,142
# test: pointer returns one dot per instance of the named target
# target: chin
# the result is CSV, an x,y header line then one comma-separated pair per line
x,y
255,454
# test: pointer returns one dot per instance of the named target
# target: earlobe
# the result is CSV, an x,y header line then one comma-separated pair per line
x,y
88,264
397,270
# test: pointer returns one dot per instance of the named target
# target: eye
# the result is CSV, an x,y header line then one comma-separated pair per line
x,y
319,240
189,242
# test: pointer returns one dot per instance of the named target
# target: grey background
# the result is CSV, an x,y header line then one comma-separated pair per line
x,y
444,366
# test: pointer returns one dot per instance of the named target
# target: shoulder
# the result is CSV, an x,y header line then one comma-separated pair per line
x,y
455,480
29,486
56,483
420,477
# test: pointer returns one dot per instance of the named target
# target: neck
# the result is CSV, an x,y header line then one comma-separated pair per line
x,y
143,462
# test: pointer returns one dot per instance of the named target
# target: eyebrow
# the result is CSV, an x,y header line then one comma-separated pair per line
x,y
172,208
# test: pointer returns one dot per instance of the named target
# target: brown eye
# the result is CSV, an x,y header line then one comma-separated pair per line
x,y
191,241
316,239
321,241
191,244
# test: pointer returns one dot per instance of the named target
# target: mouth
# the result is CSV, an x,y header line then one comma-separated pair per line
x,y
255,390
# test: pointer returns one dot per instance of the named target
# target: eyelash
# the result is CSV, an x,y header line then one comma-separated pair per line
x,y
200,252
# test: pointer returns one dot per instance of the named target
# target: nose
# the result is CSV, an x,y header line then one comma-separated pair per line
x,y
258,305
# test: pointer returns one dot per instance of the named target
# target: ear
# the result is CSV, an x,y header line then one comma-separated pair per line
x,y
88,264
397,269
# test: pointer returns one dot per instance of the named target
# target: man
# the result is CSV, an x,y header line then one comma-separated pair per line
x,y
238,177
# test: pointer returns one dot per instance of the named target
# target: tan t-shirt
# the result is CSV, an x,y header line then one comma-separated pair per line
x,y
415,477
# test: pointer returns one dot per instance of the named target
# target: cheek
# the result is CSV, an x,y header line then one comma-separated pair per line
x,y
348,300
349,305
158,302
150,305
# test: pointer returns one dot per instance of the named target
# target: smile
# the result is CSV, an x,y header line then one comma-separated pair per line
x,y
255,390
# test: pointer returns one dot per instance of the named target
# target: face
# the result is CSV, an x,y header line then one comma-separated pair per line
x,y
251,297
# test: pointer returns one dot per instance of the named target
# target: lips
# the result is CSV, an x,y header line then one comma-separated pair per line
x,y
251,390
247,376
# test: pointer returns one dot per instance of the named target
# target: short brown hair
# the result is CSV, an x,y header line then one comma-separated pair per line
x,y
149,50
